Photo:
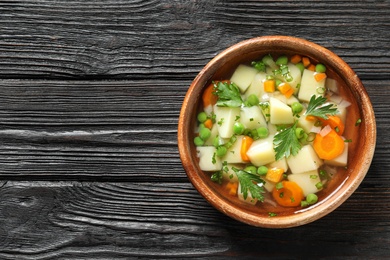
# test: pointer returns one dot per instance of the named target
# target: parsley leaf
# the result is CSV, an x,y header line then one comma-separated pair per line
x,y
317,108
228,94
249,182
286,142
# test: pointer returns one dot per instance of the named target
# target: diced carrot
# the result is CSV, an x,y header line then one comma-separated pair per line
x,y
335,123
296,58
208,123
311,67
289,93
274,174
319,76
269,86
286,89
232,188
290,195
245,145
329,146
305,61
208,97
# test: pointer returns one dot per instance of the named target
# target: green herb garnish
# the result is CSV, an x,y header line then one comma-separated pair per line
x,y
228,94
249,182
286,142
317,108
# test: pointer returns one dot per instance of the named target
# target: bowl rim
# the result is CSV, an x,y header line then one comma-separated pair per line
x,y
193,171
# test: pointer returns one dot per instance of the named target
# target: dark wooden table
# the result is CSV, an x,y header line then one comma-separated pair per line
x,y
90,94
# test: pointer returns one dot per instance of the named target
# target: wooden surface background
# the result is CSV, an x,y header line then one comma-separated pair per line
x,y
90,94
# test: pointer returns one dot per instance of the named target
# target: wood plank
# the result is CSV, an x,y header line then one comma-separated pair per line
x,y
159,39
41,220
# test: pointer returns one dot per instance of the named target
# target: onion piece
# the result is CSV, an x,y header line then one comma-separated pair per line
x,y
344,103
324,131
315,129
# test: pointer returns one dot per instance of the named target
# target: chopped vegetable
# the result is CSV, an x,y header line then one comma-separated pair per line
x,y
335,123
329,146
296,58
232,188
208,97
286,89
320,68
245,145
319,76
274,174
306,61
290,195
269,86
208,123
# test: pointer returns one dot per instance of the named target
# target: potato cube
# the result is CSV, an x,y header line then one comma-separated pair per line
x,y
306,180
233,154
306,160
243,76
257,85
206,155
309,86
280,113
262,151
225,118
252,117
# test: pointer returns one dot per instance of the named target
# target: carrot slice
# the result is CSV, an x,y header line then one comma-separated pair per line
x,y
245,145
274,174
208,96
232,188
290,195
335,123
269,86
306,61
296,58
329,146
311,118
319,76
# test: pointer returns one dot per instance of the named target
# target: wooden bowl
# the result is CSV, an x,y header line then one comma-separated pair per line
x,y
361,150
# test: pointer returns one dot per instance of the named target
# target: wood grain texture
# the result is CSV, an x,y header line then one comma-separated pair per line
x,y
90,94
174,39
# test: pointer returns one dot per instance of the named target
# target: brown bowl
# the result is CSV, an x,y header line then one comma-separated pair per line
x,y
364,136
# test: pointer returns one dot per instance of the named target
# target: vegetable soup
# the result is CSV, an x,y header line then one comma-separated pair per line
x,y
271,136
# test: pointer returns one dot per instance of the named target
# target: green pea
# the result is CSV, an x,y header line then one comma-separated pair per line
x,y
253,100
311,198
262,170
262,132
252,169
204,133
282,60
296,108
238,128
320,68
198,141
299,132
221,151
216,141
202,116
300,66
